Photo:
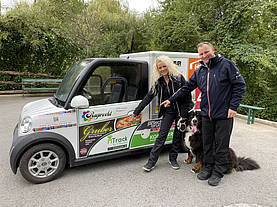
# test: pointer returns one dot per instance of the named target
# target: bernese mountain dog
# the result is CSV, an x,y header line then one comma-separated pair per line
x,y
193,140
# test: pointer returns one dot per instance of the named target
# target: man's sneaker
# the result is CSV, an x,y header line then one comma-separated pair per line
x,y
214,180
148,167
174,164
204,175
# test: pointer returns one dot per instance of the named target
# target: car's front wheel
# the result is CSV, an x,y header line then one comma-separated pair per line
x,y
42,163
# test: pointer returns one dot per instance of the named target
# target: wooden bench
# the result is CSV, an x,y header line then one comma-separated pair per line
x,y
251,112
33,81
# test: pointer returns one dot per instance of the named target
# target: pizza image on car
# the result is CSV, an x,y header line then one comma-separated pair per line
x,y
128,121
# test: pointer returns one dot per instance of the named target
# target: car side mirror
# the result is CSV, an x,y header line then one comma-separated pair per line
x,y
80,102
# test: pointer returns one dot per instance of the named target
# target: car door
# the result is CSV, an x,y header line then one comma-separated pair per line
x,y
113,92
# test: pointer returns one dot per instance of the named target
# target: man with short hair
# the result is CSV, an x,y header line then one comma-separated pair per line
x,y
222,88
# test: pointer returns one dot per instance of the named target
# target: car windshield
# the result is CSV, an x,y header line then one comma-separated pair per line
x,y
70,78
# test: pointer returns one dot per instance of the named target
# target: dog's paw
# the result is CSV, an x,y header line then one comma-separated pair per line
x,y
193,171
197,167
188,161
189,158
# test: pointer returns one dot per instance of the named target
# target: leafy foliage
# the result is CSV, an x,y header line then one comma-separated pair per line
x,y
175,27
28,44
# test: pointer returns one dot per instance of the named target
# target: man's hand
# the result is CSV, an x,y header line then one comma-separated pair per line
x,y
166,103
231,113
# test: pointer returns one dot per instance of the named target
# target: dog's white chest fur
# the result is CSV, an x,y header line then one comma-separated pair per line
x,y
188,134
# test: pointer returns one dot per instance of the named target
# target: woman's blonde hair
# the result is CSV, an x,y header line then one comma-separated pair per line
x,y
172,69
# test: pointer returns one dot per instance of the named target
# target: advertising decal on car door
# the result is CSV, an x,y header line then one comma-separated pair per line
x,y
106,129
147,133
89,135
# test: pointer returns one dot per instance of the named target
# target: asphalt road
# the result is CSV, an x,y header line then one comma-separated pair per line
x,y
122,182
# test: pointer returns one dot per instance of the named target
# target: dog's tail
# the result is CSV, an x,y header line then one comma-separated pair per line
x,y
246,164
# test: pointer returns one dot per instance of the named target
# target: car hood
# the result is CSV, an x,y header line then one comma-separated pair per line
x,y
39,107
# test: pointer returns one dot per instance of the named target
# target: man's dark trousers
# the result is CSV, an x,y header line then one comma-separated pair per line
x,y
216,139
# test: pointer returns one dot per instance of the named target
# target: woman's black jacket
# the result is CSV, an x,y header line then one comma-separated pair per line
x,y
182,106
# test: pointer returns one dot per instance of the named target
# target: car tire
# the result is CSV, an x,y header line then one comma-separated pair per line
x,y
42,163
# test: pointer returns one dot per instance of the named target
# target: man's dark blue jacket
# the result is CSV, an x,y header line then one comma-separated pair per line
x,y
221,84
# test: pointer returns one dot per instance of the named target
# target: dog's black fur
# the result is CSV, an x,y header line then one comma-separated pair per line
x,y
241,163
193,141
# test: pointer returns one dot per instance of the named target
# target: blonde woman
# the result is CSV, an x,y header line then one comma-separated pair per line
x,y
166,80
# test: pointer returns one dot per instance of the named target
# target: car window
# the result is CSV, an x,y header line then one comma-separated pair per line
x,y
115,83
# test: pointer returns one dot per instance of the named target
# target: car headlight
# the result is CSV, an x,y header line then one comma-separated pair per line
x,y
25,125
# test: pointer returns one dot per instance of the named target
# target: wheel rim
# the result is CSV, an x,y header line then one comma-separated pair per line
x,y
43,164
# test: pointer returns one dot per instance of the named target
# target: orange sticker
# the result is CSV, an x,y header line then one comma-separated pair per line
x,y
193,65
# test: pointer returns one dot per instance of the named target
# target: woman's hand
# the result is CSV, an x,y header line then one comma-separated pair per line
x,y
132,117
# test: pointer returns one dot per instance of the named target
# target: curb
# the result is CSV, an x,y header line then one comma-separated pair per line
x,y
257,120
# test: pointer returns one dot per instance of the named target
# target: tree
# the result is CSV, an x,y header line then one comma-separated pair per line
x,y
175,27
29,43
104,28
